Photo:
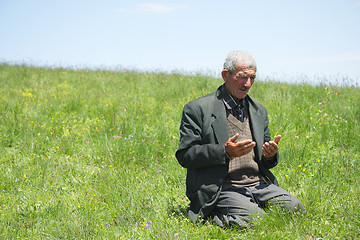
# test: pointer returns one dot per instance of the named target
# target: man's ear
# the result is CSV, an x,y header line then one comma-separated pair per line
x,y
225,74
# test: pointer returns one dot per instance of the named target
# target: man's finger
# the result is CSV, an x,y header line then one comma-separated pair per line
x,y
247,146
277,139
245,142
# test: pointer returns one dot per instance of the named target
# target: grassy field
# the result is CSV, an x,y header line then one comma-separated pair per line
x,y
90,155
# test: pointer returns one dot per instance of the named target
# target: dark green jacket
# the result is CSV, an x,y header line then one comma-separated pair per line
x,y
203,134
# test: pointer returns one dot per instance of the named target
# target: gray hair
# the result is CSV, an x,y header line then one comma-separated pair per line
x,y
238,56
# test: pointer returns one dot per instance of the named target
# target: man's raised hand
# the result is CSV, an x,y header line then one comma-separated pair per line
x,y
238,149
271,148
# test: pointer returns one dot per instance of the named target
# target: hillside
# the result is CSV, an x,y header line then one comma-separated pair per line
x,y
90,155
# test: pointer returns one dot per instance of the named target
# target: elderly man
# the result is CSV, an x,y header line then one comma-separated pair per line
x,y
225,146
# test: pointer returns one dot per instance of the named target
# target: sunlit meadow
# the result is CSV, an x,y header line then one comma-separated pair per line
x,y
90,155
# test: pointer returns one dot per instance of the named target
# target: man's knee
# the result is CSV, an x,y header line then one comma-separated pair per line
x,y
288,202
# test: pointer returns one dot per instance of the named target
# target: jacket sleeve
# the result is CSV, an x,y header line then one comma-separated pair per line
x,y
198,147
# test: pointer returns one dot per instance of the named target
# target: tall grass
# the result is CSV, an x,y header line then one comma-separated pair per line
x,y
90,155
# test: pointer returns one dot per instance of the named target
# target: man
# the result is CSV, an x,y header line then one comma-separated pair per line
x,y
226,147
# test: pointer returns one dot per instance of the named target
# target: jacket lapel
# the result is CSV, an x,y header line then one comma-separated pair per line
x,y
219,125
256,125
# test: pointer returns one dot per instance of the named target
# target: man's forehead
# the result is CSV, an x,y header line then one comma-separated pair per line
x,y
242,67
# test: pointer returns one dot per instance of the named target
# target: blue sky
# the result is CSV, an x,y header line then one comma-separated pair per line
x,y
291,40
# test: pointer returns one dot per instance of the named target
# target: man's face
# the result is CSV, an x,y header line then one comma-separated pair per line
x,y
239,81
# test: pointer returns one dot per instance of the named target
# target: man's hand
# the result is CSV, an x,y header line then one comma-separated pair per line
x,y
271,148
238,149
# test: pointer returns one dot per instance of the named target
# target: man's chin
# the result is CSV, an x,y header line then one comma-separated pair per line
x,y
241,94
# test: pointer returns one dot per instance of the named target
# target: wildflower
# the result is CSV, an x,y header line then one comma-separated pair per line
x,y
176,234
108,226
148,225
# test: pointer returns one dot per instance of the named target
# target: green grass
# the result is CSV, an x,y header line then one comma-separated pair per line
x,y
90,155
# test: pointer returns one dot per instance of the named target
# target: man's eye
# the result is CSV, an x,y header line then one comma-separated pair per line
x,y
245,76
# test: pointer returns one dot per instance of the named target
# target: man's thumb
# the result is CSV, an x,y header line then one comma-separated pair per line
x,y
234,138
277,139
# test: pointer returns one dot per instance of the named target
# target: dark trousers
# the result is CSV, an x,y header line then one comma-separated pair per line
x,y
239,205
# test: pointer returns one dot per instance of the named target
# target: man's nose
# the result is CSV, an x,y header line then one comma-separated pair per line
x,y
248,82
